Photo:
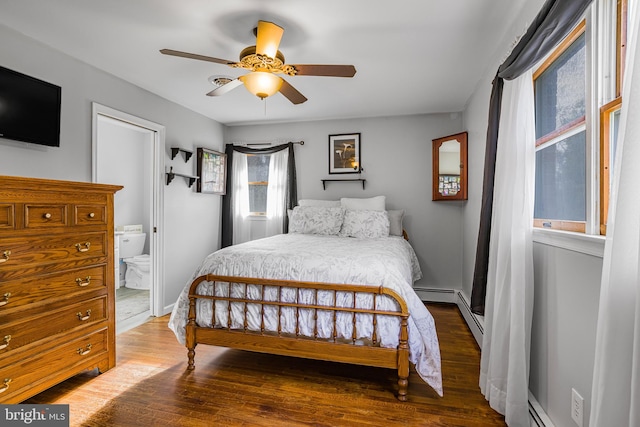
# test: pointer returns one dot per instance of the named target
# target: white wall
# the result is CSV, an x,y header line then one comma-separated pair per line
x,y
567,283
124,158
396,158
191,220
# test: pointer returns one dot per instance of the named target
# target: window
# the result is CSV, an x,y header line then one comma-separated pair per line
x,y
610,116
258,173
560,105
577,105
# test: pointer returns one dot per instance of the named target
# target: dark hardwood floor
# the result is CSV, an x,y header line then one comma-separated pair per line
x,y
151,387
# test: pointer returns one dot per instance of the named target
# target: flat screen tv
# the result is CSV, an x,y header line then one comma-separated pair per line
x,y
29,109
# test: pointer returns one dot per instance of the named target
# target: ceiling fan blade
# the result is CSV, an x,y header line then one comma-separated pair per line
x,y
225,88
291,93
195,56
268,38
325,70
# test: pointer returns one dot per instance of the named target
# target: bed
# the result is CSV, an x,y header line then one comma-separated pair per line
x,y
324,296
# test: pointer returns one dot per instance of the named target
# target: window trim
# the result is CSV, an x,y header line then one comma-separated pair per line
x,y
622,10
590,244
605,158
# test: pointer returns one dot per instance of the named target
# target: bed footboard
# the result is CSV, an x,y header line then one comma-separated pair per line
x,y
229,332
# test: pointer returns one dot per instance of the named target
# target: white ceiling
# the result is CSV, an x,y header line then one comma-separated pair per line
x,y
411,56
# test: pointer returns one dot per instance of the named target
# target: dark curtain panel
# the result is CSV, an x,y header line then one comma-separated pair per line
x,y
479,289
554,21
292,193
227,223
291,198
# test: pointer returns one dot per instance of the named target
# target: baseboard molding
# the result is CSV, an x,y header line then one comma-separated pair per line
x,y
474,321
436,295
537,416
167,309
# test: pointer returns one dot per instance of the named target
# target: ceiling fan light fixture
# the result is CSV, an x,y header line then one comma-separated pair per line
x,y
261,83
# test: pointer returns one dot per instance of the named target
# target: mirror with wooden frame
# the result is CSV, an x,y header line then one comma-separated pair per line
x,y
450,167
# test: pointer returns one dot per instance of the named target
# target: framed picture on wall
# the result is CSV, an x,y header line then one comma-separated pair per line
x,y
344,153
212,171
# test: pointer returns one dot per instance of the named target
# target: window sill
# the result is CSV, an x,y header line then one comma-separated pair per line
x,y
577,242
257,217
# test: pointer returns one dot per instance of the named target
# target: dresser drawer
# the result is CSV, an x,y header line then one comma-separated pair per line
x,y
7,216
28,256
40,367
90,214
20,333
23,294
45,215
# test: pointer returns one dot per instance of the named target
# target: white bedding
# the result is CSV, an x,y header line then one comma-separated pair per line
x,y
387,261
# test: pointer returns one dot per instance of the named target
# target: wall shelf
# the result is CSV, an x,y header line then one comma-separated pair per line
x,y
171,174
324,181
187,154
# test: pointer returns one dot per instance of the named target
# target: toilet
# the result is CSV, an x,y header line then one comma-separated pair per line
x,y
137,274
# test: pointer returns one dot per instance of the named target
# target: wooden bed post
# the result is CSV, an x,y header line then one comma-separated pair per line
x,y
403,360
190,333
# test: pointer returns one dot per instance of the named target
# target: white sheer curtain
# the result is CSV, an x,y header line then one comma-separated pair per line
x,y
240,202
504,364
276,192
615,394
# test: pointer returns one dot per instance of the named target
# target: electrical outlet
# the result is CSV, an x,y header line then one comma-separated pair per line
x,y
577,406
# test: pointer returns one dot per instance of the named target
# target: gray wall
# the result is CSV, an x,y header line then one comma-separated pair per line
x,y
567,283
396,158
191,220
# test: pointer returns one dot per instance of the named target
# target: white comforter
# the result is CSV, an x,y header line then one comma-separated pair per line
x,y
388,261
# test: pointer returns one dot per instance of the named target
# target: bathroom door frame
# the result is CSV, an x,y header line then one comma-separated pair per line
x,y
157,180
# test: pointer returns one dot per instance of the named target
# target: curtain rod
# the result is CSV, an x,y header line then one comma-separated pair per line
x,y
251,144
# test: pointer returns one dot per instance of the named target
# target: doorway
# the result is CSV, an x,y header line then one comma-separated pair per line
x,y
127,151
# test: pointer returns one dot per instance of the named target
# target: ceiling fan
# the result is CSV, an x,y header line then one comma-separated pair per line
x,y
264,60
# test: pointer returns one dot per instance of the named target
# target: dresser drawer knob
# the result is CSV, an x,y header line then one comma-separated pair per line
x,y
5,299
5,387
83,247
83,282
83,318
5,342
84,351
47,216
92,215
5,256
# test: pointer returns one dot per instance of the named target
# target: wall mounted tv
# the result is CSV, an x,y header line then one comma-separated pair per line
x,y
29,109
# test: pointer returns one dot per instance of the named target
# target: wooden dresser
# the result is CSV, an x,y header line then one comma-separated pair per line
x,y
57,293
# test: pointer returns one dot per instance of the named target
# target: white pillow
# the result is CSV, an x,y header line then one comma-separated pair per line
x,y
365,224
316,220
377,203
395,222
319,203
